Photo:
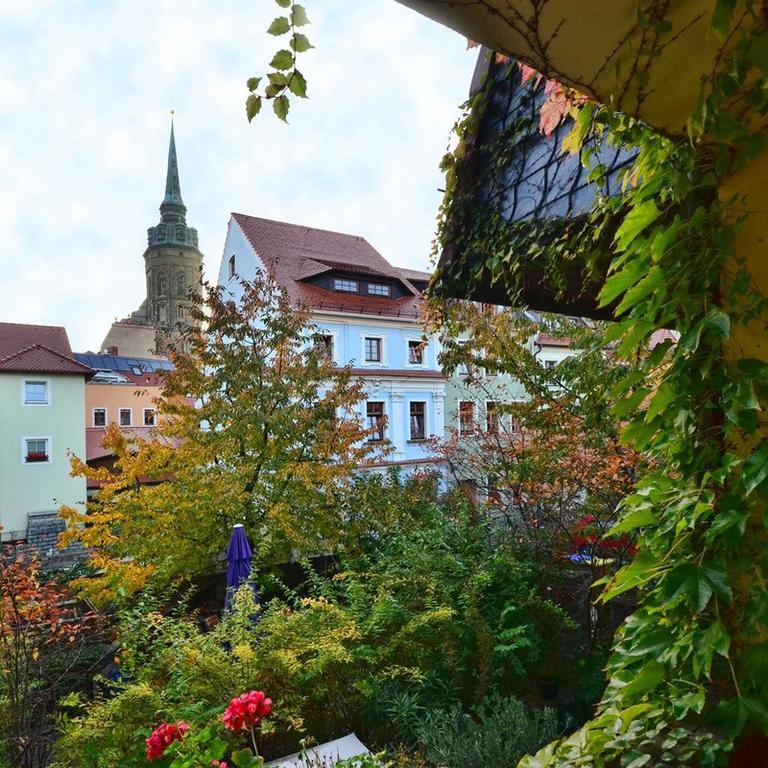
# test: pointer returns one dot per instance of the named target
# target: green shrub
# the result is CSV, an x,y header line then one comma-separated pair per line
x,y
497,734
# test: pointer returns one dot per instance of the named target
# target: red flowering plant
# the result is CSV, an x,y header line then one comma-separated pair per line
x,y
591,539
162,738
247,711
244,712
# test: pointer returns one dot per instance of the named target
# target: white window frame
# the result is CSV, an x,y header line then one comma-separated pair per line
x,y
144,417
49,443
411,438
425,348
93,416
345,280
232,267
48,393
387,286
120,417
382,337
462,433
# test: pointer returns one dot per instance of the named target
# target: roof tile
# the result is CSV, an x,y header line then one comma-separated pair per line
x,y
294,252
37,349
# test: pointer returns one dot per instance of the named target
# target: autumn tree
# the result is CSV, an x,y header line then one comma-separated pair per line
x,y
550,466
47,644
256,426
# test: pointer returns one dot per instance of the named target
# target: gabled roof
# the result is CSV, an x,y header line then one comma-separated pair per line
x,y
294,253
37,349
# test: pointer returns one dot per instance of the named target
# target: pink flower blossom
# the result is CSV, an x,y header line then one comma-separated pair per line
x,y
246,710
163,736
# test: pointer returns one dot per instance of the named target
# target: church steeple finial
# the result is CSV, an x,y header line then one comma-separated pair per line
x,y
172,203
172,229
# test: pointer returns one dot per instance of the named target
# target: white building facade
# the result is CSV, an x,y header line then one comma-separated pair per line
x,y
367,313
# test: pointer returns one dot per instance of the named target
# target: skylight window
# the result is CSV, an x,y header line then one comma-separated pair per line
x,y
342,284
378,289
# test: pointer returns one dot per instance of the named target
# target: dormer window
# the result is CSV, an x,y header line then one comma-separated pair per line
x,y
379,289
345,285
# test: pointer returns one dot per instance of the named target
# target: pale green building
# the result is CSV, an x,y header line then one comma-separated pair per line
x,y
42,420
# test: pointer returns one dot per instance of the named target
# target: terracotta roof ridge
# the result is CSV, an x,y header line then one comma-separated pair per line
x,y
31,347
34,325
301,226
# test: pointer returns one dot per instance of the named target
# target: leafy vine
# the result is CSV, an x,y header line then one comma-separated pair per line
x,y
688,671
284,78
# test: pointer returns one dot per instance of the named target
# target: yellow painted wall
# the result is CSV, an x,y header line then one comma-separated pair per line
x,y
116,396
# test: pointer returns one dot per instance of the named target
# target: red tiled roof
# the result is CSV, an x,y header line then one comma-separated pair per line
x,y
37,349
415,274
294,252
94,449
406,373
545,340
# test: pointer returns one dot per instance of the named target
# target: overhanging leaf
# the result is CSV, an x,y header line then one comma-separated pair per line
x,y
640,217
279,26
281,105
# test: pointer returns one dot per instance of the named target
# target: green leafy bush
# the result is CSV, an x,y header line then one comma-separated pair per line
x,y
497,734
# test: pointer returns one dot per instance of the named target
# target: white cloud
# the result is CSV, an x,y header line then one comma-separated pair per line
x,y
85,93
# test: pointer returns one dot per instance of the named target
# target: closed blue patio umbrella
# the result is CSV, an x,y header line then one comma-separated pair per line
x,y
239,556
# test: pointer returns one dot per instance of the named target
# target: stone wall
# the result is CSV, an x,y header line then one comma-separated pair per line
x,y
43,529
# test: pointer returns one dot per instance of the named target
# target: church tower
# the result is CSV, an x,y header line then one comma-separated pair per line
x,y
172,262
173,267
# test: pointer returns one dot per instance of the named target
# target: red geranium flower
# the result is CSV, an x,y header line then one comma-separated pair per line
x,y
246,711
163,736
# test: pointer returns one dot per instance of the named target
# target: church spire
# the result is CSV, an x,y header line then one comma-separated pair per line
x,y
172,207
172,229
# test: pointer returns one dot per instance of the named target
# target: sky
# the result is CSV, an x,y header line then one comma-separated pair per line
x,y
86,91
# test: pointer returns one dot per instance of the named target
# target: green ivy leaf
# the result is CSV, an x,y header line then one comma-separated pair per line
x,y
637,573
644,681
640,217
719,582
719,320
621,281
281,105
634,520
718,637
252,106
299,16
283,59
755,469
279,26
300,43
278,78
663,397
653,280
298,85
629,404
721,17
